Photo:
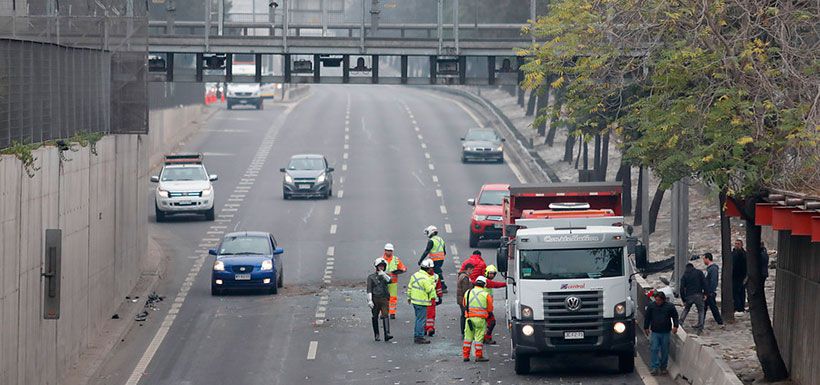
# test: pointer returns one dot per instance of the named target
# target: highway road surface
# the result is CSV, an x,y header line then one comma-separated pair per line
x,y
397,157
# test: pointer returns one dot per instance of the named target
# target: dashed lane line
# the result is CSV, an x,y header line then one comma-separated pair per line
x,y
333,229
443,209
312,349
447,228
439,193
337,210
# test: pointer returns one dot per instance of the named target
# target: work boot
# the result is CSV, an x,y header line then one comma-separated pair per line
x,y
663,372
420,340
431,332
392,316
490,342
375,321
654,372
386,324
481,358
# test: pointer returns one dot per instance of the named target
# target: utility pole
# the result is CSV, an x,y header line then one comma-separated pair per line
x,y
440,21
375,14
220,17
285,24
361,30
455,24
170,10
532,17
680,226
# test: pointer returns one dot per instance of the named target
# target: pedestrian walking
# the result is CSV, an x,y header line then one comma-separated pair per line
x,y
430,324
378,297
420,292
739,273
661,318
394,268
764,263
464,284
436,251
712,275
693,291
478,262
479,305
490,273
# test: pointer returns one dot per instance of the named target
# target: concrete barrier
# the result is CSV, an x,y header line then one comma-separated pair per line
x,y
98,199
689,359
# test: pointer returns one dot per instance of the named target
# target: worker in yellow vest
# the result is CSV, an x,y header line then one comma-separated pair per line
x,y
490,273
394,268
421,293
436,251
479,305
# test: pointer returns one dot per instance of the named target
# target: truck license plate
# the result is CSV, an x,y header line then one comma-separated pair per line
x,y
304,187
573,335
242,277
497,225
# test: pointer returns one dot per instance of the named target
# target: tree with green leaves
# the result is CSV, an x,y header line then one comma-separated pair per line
x,y
723,92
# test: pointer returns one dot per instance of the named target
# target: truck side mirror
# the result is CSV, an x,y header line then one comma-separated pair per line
x,y
640,257
154,179
501,258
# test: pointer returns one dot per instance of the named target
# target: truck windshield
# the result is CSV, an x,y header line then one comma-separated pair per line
x,y
571,263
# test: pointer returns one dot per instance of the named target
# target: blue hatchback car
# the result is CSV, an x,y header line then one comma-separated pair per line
x,y
247,260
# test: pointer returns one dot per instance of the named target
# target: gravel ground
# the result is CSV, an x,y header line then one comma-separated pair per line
x,y
733,341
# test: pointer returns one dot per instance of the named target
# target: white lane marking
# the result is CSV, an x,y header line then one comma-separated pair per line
x,y
337,210
435,178
312,348
447,228
344,156
431,167
443,209
215,232
414,122
454,249
423,145
418,178
427,155
330,251
342,180
438,193
237,195
420,137
347,146
344,167
333,229
347,137
341,193
236,199
230,210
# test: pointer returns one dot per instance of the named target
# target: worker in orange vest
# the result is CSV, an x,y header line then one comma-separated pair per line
x,y
394,268
435,250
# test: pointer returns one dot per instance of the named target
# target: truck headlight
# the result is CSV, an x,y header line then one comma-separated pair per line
x,y
207,191
288,178
219,266
620,309
528,330
321,178
526,312
619,327
267,265
479,217
162,193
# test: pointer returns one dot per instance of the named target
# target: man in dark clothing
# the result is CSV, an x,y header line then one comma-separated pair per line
x,y
661,318
712,275
463,286
739,276
378,298
764,262
692,289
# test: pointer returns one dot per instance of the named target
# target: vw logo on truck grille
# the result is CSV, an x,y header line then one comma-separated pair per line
x,y
573,303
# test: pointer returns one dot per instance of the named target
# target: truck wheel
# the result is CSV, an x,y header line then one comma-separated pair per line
x,y
522,364
209,215
159,214
473,239
626,362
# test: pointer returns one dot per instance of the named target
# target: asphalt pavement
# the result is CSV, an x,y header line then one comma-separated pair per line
x,y
398,170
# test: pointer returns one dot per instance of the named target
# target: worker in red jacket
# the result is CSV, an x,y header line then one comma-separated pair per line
x,y
478,265
490,273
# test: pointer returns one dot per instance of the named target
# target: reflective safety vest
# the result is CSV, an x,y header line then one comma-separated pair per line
x,y
437,252
392,265
422,288
479,303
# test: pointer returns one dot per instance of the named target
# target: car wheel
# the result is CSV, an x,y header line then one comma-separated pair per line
x,y
626,362
209,215
463,159
473,239
500,160
274,289
522,364
280,282
215,291
285,194
159,214
230,106
260,105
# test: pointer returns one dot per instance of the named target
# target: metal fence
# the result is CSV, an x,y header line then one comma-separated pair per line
x,y
48,91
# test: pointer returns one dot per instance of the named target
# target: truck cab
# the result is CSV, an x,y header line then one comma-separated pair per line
x,y
569,289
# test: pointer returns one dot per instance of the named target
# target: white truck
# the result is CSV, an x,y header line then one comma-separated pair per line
x,y
563,252
244,94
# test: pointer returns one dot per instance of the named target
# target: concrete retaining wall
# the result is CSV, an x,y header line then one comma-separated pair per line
x,y
689,358
99,201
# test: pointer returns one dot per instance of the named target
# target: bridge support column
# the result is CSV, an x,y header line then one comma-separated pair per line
x,y
345,69
286,63
374,70
257,60
198,67
317,69
228,68
491,70
169,67
433,69
403,69
462,70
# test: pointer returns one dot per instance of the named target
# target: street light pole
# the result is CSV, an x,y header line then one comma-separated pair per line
x,y
440,15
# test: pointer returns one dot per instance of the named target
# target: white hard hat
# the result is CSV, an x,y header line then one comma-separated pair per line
x,y
481,279
430,230
379,261
388,246
427,263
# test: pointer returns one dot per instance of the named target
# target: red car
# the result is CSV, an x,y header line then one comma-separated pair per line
x,y
485,223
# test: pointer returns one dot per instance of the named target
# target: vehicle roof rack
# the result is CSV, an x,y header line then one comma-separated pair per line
x,y
183,158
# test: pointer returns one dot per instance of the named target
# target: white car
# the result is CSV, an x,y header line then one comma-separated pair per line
x,y
246,94
184,188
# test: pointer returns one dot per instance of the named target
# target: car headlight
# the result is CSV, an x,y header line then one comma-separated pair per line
x,y
207,191
162,193
620,309
219,266
500,148
619,327
321,178
288,178
528,330
479,217
267,265
526,312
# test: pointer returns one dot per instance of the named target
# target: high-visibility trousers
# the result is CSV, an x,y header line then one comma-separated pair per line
x,y
488,335
431,317
393,289
474,336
